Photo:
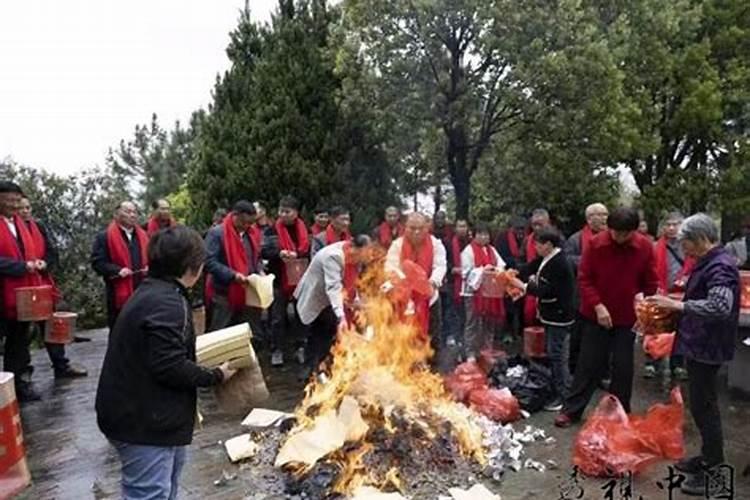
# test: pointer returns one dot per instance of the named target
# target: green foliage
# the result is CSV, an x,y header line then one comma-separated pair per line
x,y
155,160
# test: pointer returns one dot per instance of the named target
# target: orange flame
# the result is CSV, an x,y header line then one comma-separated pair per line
x,y
384,365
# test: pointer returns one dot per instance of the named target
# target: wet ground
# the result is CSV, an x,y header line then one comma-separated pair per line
x,y
70,459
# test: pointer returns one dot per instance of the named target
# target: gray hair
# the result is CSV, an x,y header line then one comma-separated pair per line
x,y
540,212
697,227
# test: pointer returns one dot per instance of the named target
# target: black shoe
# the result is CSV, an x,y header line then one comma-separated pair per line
x,y
698,485
70,371
25,393
78,339
692,465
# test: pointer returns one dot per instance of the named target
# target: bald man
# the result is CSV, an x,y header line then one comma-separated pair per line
x,y
596,221
119,257
428,252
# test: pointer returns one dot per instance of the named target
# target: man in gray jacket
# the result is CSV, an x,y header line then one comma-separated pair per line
x,y
327,290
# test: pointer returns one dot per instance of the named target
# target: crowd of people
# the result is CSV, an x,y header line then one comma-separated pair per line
x,y
581,290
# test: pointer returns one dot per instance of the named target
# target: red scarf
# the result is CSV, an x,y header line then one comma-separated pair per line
x,y
351,273
40,246
316,229
586,235
120,255
154,225
332,237
530,303
488,307
287,243
424,259
662,266
457,247
385,234
513,244
10,249
236,260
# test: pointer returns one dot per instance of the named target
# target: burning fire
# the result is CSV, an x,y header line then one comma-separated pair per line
x,y
379,372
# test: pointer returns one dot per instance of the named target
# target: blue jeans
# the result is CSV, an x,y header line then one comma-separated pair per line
x,y
150,472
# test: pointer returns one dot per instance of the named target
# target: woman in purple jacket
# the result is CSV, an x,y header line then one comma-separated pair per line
x,y
706,334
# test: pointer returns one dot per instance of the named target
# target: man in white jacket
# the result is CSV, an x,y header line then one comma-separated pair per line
x,y
327,290
419,246
484,311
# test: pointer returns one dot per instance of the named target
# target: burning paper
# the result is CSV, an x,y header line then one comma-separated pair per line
x,y
329,433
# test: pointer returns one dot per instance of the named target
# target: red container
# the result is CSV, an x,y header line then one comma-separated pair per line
x,y
295,268
534,345
34,303
745,289
493,286
60,328
14,472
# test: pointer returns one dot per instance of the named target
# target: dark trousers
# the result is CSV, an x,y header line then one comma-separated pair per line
x,y
321,336
557,339
575,345
514,315
222,316
280,326
704,406
436,326
17,358
598,345
56,352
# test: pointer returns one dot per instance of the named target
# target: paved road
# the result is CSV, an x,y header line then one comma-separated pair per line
x,y
70,459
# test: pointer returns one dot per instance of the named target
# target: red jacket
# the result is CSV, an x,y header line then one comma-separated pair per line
x,y
613,274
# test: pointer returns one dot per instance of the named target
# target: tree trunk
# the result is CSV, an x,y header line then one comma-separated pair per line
x,y
438,197
462,189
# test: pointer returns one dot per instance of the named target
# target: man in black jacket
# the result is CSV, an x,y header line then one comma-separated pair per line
x,y
146,399
56,352
122,271
550,278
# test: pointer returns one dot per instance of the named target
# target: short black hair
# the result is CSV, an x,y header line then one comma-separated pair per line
x,y
548,235
518,222
289,201
155,203
244,207
220,213
337,210
361,240
10,187
623,219
175,250
320,210
481,227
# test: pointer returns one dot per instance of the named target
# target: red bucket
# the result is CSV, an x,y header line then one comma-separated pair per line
x,y
295,268
745,289
534,345
14,472
34,303
60,328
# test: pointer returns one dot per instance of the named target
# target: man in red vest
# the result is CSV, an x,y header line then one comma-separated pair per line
x,y
119,256
285,245
337,230
20,265
48,253
161,217
390,229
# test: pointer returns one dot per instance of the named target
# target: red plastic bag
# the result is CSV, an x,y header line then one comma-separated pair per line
x,y
466,378
658,346
416,278
498,404
612,444
489,356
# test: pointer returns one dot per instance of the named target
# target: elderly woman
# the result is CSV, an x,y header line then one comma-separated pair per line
x,y
705,336
146,399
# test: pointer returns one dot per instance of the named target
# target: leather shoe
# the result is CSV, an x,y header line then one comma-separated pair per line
x,y
71,371
25,393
